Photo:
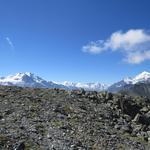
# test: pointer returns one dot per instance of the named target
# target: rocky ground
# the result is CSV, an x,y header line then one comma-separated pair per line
x,y
52,119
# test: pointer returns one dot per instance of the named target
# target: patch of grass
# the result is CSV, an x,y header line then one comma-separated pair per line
x,y
29,145
74,119
138,139
121,147
3,140
57,123
68,109
40,128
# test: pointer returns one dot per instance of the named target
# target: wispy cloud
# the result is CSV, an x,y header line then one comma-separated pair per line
x,y
10,43
134,44
94,47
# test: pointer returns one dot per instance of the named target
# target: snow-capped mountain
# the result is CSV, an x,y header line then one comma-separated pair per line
x,y
27,80
143,77
87,86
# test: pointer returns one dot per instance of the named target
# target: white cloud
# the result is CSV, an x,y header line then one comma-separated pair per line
x,y
133,44
94,47
137,57
128,40
10,43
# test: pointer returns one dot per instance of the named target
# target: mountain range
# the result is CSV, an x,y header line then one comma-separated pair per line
x,y
28,79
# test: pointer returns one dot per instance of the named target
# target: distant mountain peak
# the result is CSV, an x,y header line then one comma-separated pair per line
x,y
26,79
143,77
24,73
19,75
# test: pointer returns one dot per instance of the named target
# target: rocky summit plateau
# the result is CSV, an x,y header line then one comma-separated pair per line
x,y
58,119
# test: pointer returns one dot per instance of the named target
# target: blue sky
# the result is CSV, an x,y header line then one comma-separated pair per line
x,y
60,39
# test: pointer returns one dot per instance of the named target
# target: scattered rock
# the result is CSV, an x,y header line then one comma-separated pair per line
x,y
21,146
136,118
126,128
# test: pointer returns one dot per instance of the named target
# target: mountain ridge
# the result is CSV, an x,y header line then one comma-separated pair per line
x,y
143,77
28,79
